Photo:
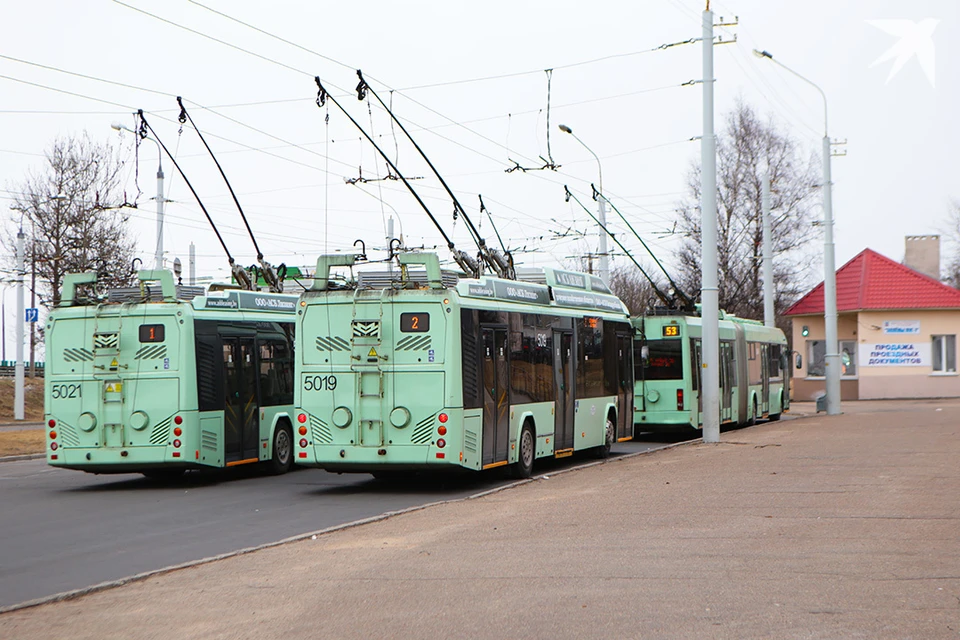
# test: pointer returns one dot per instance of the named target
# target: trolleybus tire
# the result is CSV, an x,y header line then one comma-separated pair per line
x,y
164,475
752,420
282,458
609,432
526,452
773,417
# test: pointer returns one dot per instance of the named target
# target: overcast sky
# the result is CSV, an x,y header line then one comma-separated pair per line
x,y
621,95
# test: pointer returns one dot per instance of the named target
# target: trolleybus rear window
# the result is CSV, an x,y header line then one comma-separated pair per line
x,y
664,360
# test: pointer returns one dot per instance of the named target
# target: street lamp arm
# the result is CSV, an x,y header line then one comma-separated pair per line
x,y
769,56
567,129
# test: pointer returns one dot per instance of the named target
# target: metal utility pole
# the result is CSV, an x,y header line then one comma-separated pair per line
x,y
21,319
829,269
709,293
192,269
768,317
33,305
159,254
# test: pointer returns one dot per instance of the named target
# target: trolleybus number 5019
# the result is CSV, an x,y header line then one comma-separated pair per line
x,y
320,383
67,391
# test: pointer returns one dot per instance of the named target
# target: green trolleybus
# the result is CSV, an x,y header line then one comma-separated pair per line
x,y
753,372
159,378
417,370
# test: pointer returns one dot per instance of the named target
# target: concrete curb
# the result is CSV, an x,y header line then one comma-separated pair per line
x,y
26,456
112,584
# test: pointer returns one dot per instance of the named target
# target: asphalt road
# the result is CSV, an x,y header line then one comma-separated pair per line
x,y
63,530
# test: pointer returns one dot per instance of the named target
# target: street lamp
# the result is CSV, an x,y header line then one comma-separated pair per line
x,y
602,210
159,250
832,356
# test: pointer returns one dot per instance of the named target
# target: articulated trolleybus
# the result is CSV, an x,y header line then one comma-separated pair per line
x,y
417,370
160,379
753,371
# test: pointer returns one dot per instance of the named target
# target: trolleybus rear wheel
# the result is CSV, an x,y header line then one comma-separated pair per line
x,y
526,452
282,458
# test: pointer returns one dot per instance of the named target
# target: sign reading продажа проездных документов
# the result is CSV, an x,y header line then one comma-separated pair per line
x,y
895,354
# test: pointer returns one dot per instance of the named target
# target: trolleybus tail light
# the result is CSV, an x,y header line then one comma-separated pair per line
x,y
177,431
51,423
176,444
178,420
442,431
302,431
442,417
441,455
303,454
53,457
302,418
176,454
54,446
303,443
53,435
679,399
441,443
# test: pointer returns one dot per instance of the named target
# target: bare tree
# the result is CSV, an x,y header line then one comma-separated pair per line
x,y
746,149
952,236
635,290
69,213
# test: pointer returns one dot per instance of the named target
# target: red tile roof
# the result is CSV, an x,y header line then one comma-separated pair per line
x,y
871,281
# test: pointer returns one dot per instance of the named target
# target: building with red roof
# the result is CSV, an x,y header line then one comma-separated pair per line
x,y
897,330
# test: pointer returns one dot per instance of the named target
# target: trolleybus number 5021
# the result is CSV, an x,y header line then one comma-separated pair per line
x,y
320,383
66,391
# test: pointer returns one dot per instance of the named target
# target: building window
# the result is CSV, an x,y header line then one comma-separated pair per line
x,y
816,358
944,354
848,358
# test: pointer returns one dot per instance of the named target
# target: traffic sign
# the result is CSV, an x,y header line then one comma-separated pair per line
x,y
32,314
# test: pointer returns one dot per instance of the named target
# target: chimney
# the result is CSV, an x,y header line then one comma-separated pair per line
x,y
923,255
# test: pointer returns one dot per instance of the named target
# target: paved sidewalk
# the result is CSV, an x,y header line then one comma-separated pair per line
x,y
820,527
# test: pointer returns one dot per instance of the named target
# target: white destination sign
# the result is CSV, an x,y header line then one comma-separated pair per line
x,y
901,327
895,354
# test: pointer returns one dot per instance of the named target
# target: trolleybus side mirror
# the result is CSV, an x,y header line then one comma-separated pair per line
x,y
645,354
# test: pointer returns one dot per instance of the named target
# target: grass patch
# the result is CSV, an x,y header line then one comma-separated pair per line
x,y
16,443
32,399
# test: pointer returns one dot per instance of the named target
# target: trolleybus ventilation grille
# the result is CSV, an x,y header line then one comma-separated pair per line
x,y
424,429
160,431
77,355
335,343
321,432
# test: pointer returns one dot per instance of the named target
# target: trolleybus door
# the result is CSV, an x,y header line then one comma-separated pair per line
x,y
496,399
624,385
240,410
728,380
564,380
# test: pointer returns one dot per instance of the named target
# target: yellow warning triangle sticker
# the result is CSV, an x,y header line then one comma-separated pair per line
x,y
373,353
114,363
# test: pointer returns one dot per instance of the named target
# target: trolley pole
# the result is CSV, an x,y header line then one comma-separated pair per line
x,y
709,292
768,317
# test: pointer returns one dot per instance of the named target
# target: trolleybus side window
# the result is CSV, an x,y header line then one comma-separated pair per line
x,y
276,373
590,371
664,360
